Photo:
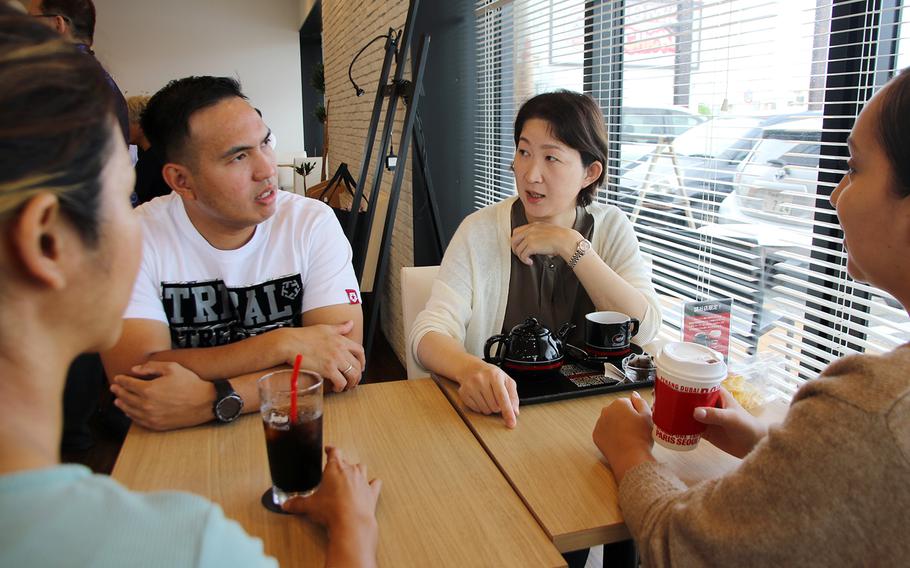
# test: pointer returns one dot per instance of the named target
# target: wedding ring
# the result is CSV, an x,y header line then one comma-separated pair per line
x,y
345,372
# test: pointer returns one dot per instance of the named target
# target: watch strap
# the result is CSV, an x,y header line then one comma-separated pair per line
x,y
224,390
583,246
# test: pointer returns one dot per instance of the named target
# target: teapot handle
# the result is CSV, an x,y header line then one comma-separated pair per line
x,y
496,339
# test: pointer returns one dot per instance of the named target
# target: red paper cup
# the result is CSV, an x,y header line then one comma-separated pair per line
x,y
688,376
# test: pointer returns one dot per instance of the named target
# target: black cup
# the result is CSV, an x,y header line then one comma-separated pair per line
x,y
609,334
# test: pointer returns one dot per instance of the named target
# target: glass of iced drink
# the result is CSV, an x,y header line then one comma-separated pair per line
x,y
293,432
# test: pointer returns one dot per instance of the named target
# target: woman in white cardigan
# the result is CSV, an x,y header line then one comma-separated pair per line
x,y
559,164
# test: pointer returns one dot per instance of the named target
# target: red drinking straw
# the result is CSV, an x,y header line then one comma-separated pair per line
x,y
294,374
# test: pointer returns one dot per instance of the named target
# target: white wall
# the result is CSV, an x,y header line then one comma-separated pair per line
x,y
144,44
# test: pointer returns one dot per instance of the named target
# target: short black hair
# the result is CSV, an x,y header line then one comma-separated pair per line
x,y
166,119
894,129
80,13
56,122
576,120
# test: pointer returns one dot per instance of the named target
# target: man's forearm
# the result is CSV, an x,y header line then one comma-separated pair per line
x,y
225,361
245,385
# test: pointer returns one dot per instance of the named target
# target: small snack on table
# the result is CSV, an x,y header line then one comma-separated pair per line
x,y
639,368
745,393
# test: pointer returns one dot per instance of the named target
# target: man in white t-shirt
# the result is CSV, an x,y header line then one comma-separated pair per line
x,y
237,277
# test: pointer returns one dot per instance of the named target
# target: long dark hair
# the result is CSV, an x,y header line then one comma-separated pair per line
x,y
575,120
56,122
894,129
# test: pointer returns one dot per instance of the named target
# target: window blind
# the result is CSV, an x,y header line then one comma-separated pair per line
x,y
728,122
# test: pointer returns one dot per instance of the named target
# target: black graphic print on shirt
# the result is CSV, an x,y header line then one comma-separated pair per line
x,y
206,314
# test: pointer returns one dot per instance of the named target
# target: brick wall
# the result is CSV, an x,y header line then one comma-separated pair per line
x,y
346,27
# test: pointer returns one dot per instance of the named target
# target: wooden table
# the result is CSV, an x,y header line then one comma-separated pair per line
x,y
553,464
443,502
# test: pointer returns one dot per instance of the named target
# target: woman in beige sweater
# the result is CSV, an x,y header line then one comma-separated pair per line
x,y
831,485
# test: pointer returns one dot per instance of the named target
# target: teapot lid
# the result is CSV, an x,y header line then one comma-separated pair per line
x,y
530,328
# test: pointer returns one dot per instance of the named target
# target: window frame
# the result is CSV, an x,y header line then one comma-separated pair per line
x,y
853,59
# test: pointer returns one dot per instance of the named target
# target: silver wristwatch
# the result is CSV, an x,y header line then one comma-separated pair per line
x,y
583,246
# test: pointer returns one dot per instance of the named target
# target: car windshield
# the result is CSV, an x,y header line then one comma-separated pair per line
x,y
642,123
796,144
787,153
715,138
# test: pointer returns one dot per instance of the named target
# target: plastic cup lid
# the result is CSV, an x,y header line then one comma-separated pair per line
x,y
692,361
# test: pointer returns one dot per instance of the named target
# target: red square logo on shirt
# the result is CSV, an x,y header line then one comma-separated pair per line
x,y
353,297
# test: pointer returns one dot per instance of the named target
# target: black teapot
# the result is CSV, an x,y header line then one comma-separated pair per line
x,y
528,349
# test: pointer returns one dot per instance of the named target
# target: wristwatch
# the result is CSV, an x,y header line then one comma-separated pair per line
x,y
583,246
228,404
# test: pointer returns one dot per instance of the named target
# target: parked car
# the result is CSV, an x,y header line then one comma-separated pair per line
x,y
772,205
642,128
708,160
718,161
648,124
774,201
777,183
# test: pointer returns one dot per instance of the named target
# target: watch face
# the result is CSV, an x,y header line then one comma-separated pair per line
x,y
584,245
229,408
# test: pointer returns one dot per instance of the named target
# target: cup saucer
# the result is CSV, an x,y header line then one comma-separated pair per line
x,y
581,356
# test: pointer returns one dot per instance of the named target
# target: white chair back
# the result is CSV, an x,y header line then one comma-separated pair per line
x,y
416,284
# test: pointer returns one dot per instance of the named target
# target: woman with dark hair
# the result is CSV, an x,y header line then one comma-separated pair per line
x,y
70,252
829,486
550,252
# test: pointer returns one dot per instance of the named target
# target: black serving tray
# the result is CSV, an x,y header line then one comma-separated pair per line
x,y
575,379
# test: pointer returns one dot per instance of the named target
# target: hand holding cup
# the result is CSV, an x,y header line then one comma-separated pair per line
x,y
730,427
345,504
346,494
688,377
623,434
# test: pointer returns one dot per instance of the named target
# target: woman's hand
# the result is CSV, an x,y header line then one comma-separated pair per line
x,y
623,434
485,388
544,238
345,503
731,427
